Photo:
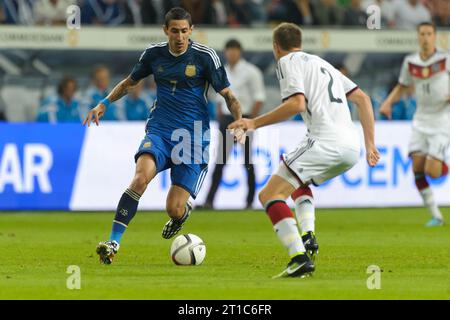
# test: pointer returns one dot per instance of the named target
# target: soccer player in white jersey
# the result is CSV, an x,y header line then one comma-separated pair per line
x,y
314,88
428,71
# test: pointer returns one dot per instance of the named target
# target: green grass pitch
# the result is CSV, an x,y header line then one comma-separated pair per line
x,y
242,255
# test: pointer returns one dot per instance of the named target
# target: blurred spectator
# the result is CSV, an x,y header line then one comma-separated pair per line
x,y
201,10
135,11
354,14
134,105
258,12
51,12
407,14
62,107
240,13
299,12
401,110
328,13
98,91
344,3
220,12
276,11
102,12
441,15
16,12
302,12
387,11
2,110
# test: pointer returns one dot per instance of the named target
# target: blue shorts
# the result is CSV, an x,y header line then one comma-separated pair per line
x,y
187,176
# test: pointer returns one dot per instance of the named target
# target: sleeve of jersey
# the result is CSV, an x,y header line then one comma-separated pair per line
x,y
349,85
405,78
143,68
215,73
291,81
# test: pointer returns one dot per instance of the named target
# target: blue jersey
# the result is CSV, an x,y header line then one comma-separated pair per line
x,y
55,109
93,96
134,109
182,83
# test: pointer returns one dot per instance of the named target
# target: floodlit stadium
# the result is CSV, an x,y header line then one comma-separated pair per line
x,y
113,134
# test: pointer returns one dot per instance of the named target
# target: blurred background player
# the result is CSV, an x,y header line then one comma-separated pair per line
x,y
99,90
62,107
428,72
248,84
313,87
183,69
133,106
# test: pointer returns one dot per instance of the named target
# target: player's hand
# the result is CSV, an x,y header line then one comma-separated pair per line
x,y
240,127
96,113
372,155
386,110
239,135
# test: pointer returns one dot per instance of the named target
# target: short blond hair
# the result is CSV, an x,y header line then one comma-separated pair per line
x,y
287,36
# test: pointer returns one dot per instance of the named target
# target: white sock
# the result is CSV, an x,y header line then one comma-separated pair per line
x,y
428,200
287,232
305,213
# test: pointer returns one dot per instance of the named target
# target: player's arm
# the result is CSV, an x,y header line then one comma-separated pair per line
x,y
365,112
395,95
120,90
233,104
290,107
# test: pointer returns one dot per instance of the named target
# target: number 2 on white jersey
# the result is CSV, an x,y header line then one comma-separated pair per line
x,y
330,86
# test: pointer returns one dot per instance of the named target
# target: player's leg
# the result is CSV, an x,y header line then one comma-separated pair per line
x,y
178,208
128,204
273,197
435,167
307,156
305,214
419,164
316,162
421,146
187,180
127,207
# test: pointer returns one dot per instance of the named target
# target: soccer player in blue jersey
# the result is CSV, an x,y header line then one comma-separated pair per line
x,y
63,107
183,70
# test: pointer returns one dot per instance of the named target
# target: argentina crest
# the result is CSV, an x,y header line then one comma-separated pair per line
x,y
190,71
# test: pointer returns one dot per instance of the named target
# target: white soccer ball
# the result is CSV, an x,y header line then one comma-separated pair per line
x,y
188,249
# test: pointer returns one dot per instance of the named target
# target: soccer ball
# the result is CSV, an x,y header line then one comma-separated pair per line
x,y
188,249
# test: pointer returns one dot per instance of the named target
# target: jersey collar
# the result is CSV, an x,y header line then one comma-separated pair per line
x,y
434,53
180,54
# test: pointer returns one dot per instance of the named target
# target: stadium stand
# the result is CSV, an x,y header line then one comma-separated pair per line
x,y
29,77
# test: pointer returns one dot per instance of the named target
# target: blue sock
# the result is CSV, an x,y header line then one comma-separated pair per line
x,y
117,231
126,210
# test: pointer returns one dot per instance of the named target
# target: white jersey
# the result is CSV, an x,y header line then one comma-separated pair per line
x,y
327,114
247,84
431,80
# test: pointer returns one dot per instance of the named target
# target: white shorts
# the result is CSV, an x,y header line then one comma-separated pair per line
x,y
316,162
433,145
